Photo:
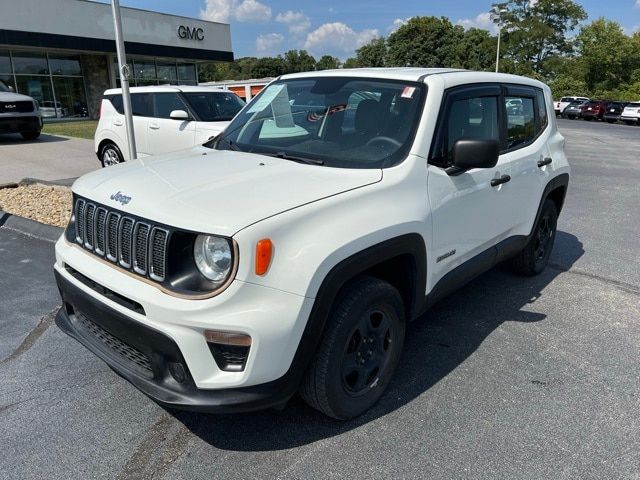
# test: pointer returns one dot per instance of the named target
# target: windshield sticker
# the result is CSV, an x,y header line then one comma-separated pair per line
x,y
265,99
319,115
408,92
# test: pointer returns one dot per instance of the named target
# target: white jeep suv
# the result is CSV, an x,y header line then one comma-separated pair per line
x,y
165,119
289,253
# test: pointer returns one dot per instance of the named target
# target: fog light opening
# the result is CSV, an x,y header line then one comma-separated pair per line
x,y
230,350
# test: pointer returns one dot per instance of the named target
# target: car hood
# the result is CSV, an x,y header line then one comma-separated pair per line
x,y
14,97
213,191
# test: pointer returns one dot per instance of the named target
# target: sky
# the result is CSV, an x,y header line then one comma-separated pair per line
x,y
338,27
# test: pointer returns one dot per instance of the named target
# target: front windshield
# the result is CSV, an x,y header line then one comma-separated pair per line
x,y
337,121
215,106
3,87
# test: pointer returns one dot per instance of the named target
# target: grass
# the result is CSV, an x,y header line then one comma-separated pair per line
x,y
80,129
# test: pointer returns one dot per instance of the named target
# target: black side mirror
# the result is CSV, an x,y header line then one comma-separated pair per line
x,y
475,153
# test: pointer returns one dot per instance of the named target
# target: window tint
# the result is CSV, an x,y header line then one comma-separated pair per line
x,y
521,122
167,103
116,101
142,104
471,118
542,110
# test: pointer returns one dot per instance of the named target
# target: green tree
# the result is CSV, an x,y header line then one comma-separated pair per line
x,y
535,31
372,54
476,50
268,67
425,42
606,54
298,61
350,63
327,62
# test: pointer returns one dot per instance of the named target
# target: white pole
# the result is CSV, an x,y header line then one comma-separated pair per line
x,y
498,52
124,79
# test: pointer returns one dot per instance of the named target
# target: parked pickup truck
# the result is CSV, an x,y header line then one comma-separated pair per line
x,y
289,253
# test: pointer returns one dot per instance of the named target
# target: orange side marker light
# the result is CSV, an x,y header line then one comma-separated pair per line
x,y
264,250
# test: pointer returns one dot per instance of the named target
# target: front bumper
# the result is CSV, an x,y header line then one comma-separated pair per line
x,y
152,361
16,124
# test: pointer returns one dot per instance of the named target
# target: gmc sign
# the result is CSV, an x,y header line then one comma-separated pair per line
x,y
191,33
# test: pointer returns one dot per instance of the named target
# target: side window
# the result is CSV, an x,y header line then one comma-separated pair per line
x,y
167,103
142,104
470,118
542,110
116,101
521,120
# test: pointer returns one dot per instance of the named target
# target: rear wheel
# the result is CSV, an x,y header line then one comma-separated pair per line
x,y
110,155
32,135
533,259
359,352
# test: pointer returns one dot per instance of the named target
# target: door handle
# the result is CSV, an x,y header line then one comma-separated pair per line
x,y
154,126
546,161
499,181
118,123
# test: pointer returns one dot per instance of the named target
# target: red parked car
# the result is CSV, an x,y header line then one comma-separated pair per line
x,y
594,109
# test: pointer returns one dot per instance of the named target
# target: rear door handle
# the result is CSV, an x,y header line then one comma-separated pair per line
x,y
499,181
118,123
546,161
154,126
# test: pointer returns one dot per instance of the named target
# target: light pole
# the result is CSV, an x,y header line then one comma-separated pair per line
x,y
497,14
124,79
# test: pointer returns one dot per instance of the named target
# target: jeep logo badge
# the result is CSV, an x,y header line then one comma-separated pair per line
x,y
191,33
120,197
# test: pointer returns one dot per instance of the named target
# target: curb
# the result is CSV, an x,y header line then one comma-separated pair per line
x,y
30,228
64,182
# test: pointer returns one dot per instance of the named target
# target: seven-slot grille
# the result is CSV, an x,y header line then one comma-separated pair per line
x,y
131,243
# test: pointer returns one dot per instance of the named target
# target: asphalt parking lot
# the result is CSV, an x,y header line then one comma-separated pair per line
x,y
49,157
508,378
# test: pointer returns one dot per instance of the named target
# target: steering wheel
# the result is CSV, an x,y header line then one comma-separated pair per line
x,y
387,140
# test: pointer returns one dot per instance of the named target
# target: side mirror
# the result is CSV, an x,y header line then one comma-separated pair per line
x,y
179,115
475,153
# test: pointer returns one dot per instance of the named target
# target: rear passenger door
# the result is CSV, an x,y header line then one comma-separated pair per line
x,y
142,109
469,215
525,152
165,133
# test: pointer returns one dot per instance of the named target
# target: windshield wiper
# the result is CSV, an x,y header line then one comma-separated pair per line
x,y
285,156
232,145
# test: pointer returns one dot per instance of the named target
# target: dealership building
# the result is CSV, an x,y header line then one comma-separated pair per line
x,y
63,52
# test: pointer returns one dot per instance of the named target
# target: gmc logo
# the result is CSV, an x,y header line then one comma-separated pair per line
x,y
191,33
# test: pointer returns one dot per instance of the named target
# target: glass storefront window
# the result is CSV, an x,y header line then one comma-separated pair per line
x,y
30,63
71,97
65,65
167,73
39,88
5,62
144,70
187,73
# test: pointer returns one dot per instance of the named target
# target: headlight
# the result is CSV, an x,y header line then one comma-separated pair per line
x,y
213,258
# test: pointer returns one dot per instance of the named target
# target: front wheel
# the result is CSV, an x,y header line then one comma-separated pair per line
x,y
359,352
533,259
110,155
32,135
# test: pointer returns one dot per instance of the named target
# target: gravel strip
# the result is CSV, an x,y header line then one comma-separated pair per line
x,y
42,203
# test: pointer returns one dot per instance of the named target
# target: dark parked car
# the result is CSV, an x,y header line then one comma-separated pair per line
x,y
574,110
614,110
594,110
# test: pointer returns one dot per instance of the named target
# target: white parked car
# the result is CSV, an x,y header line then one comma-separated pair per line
x,y
289,253
564,102
19,114
631,114
165,119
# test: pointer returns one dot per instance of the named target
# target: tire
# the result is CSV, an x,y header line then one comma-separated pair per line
x,y
30,135
611,121
533,259
629,123
359,352
110,155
